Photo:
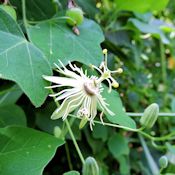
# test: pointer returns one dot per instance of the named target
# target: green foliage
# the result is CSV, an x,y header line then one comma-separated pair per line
x,y
9,95
120,116
139,36
140,6
8,118
84,48
118,145
22,146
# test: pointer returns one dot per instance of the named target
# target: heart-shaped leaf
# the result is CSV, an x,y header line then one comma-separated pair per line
x,y
25,64
8,24
57,40
25,151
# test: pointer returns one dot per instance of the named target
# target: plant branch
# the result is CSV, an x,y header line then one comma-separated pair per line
x,y
71,134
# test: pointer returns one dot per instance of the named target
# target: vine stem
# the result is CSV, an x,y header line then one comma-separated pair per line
x,y
139,130
75,142
162,114
52,19
68,157
72,135
163,62
24,14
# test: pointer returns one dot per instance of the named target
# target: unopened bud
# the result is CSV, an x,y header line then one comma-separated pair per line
x,y
83,122
150,115
90,167
163,162
57,131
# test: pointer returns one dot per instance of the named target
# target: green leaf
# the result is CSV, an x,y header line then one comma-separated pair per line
x,y
88,6
58,41
25,151
72,173
43,120
36,9
30,65
10,95
124,165
150,28
8,24
118,145
115,105
100,132
140,6
7,117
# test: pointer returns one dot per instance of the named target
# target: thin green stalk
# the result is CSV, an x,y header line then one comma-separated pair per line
x,y
75,142
52,19
68,157
65,129
162,114
72,135
140,130
158,147
24,14
163,63
111,124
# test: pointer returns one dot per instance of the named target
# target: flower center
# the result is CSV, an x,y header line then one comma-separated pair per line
x,y
91,88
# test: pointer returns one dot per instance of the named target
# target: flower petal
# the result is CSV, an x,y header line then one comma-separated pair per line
x,y
62,81
59,112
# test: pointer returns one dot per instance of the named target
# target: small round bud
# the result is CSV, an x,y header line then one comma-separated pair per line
x,y
90,167
150,115
105,51
57,131
75,16
163,162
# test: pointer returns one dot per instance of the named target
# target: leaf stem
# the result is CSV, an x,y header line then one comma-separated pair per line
x,y
52,19
75,142
162,114
139,130
71,134
24,14
68,157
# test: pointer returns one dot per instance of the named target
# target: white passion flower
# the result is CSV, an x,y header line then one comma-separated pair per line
x,y
80,91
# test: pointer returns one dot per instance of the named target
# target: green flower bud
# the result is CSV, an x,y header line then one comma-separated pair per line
x,y
163,162
90,167
57,131
83,122
150,115
75,16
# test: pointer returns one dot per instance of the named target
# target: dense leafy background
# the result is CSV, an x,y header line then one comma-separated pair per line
x,y
139,36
